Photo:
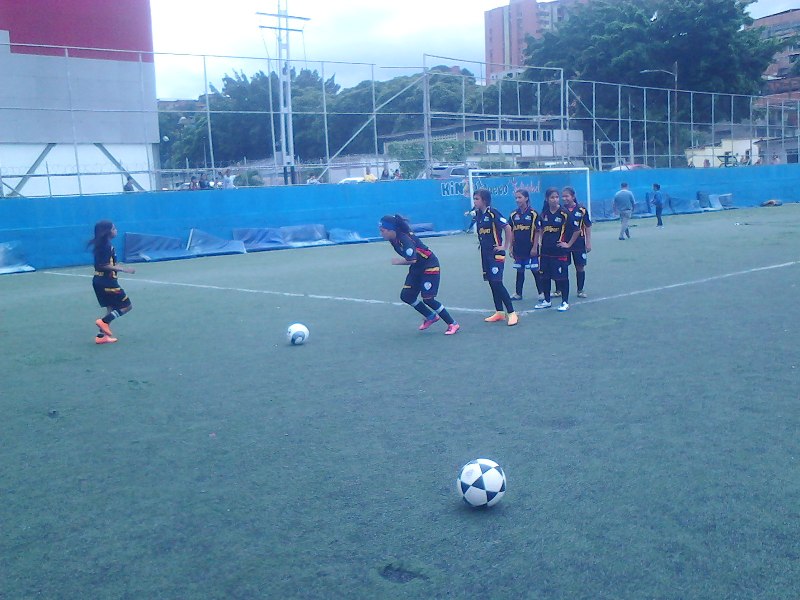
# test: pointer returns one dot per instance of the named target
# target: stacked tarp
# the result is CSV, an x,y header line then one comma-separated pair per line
x,y
345,236
12,260
426,230
204,244
299,236
259,239
143,247
293,236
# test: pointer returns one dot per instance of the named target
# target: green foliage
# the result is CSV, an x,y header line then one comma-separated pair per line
x,y
614,41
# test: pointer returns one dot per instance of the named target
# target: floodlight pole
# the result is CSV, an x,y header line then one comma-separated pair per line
x,y
674,74
285,88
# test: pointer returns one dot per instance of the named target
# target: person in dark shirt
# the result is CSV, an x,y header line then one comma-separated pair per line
x,y
128,187
494,236
523,233
658,203
203,182
555,234
583,243
423,272
109,294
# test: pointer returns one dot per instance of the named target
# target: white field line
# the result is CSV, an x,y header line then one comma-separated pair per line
x,y
450,308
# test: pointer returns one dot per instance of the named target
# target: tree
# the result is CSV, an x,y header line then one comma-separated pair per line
x,y
614,40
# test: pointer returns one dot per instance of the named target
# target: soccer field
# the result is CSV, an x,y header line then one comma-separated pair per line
x,y
650,435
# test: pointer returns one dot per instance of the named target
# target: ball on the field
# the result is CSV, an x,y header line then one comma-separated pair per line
x,y
297,334
481,482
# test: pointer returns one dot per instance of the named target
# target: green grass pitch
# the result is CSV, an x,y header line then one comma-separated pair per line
x,y
650,435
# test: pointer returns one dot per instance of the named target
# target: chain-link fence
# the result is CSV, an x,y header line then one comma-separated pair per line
x,y
80,121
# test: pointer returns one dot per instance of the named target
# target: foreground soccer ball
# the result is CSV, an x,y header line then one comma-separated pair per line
x,y
481,482
297,334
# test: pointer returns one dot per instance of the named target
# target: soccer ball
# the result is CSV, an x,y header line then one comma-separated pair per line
x,y
297,334
481,483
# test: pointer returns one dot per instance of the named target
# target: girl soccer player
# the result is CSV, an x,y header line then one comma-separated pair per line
x,y
106,287
494,237
423,272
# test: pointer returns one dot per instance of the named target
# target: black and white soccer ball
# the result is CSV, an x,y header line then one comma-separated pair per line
x,y
297,334
481,482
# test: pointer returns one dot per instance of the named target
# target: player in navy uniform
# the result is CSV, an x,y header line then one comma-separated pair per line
x,y
523,232
583,243
423,272
555,234
494,236
106,287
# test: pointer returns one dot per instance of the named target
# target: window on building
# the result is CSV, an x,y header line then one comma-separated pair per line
x,y
491,135
504,135
525,135
479,136
547,135
513,135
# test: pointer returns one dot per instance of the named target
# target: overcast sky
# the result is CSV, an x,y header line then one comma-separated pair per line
x,y
386,34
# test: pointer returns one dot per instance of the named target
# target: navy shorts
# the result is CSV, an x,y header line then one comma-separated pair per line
x,y
579,257
555,267
493,265
424,282
109,294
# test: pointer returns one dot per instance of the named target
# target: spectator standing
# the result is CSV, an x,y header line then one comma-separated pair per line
x,y
624,203
658,203
227,181
397,174
193,184
203,183
385,174
128,187
369,177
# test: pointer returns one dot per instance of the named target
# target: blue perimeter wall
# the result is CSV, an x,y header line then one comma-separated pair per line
x,y
53,231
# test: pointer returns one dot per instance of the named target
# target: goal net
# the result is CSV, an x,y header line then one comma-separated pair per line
x,y
502,183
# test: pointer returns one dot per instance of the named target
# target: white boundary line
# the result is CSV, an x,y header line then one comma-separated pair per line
x,y
450,308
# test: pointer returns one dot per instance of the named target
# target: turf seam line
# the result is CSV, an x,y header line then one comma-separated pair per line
x,y
450,308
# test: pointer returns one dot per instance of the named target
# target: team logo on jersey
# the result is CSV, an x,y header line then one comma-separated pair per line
x,y
577,223
557,220
409,251
527,217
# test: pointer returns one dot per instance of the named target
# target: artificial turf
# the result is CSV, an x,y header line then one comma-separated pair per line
x,y
650,435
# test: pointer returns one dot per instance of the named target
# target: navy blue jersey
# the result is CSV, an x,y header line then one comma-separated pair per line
x,y
411,247
555,227
523,224
104,256
580,220
490,229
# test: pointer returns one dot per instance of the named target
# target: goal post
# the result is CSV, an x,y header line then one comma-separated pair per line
x,y
502,183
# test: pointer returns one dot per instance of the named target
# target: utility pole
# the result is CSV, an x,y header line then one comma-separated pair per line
x,y
285,87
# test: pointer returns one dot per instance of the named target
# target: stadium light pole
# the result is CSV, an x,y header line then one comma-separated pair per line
x,y
674,74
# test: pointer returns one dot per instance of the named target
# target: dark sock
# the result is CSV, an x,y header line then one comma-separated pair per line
x,y
563,287
498,303
111,316
422,309
520,281
546,288
581,280
502,295
537,277
440,310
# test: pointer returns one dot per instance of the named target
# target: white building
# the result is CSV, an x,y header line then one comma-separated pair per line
x,y
74,119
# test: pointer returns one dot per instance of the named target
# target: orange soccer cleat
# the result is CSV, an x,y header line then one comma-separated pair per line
x,y
497,316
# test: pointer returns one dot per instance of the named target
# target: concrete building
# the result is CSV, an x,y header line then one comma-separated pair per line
x,y
75,119
507,29
781,83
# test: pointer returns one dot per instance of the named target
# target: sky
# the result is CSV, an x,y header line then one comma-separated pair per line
x,y
392,36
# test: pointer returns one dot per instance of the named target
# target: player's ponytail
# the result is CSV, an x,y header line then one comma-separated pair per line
x,y
102,234
402,224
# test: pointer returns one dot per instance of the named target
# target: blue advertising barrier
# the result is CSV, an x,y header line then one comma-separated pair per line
x,y
53,232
